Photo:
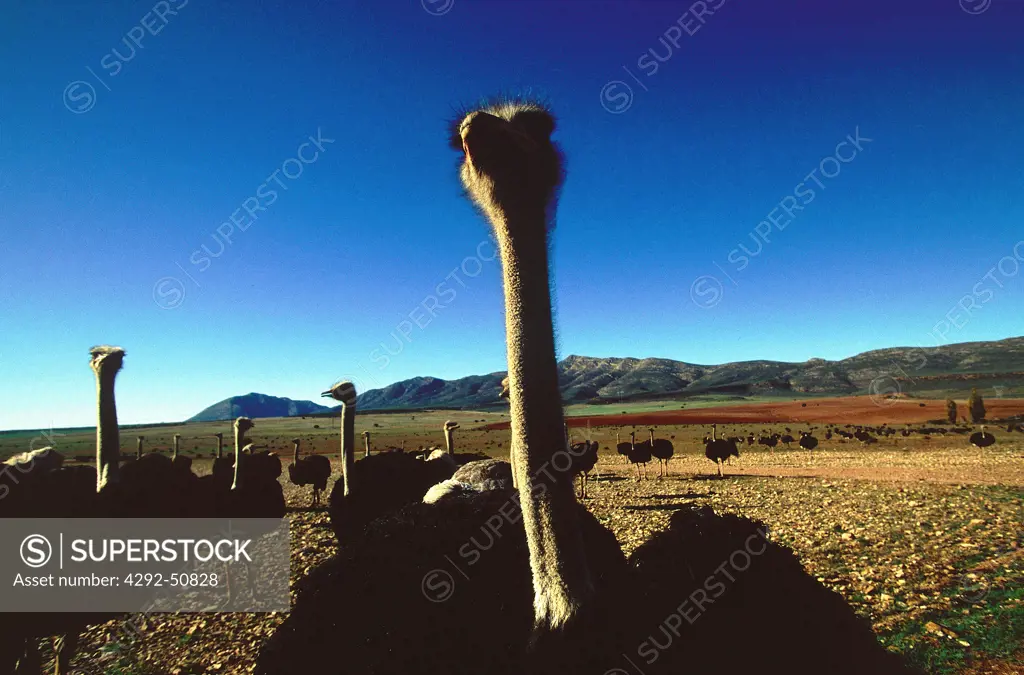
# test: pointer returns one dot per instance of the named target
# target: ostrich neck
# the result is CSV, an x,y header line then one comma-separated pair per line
x,y
220,448
108,436
295,455
174,454
561,579
237,480
348,435
448,440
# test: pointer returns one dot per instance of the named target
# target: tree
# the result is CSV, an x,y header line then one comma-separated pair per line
x,y
976,407
951,410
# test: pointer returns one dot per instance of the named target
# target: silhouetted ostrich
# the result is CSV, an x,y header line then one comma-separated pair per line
x,y
622,448
663,450
477,476
223,469
807,441
639,454
180,462
378,484
314,470
720,449
982,439
565,600
584,458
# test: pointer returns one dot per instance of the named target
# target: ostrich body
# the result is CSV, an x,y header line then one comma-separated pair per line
x,y
807,441
639,454
314,470
180,462
584,459
720,449
223,470
575,607
622,448
662,449
982,439
479,476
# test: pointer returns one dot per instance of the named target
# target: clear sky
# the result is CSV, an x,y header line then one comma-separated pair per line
x,y
131,133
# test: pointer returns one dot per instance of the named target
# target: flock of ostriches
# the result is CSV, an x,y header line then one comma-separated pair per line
x,y
453,564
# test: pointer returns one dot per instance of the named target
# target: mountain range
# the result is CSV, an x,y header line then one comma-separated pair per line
x,y
921,371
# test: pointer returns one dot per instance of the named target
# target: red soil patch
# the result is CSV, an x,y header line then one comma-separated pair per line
x,y
843,410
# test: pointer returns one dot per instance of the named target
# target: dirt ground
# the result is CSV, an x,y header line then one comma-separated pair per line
x,y
895,532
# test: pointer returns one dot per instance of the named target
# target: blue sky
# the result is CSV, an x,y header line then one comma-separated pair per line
x,y
130,132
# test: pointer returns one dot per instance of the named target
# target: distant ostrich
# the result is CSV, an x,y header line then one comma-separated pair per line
x,y
639,455
663,450
449,432
223,470
138,446
584,456
807,441
622,448
366,444
982,439
314,470
786,440
580,606
180,462
720,449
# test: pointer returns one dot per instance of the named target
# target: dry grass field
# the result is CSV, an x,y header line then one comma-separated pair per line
x,y
924,538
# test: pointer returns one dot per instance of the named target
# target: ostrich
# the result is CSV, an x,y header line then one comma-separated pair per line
x,y
180,462
982,439
472,477
807,441
662,449
719,449
313,470
377,484
449,432
584,458
622,448
554,594
223,470
639,454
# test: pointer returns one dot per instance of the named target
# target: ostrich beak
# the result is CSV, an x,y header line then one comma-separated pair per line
x,y
326,394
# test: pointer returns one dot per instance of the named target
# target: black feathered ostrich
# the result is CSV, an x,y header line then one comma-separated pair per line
x,y
313,470
807,441
639,455
552,592
662,450
622,448
584,458
982,439
378,484
719,449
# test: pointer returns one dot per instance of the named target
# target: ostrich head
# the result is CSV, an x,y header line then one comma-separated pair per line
x,y
343,392
504,389
452,426
106,360
243,424
510,166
